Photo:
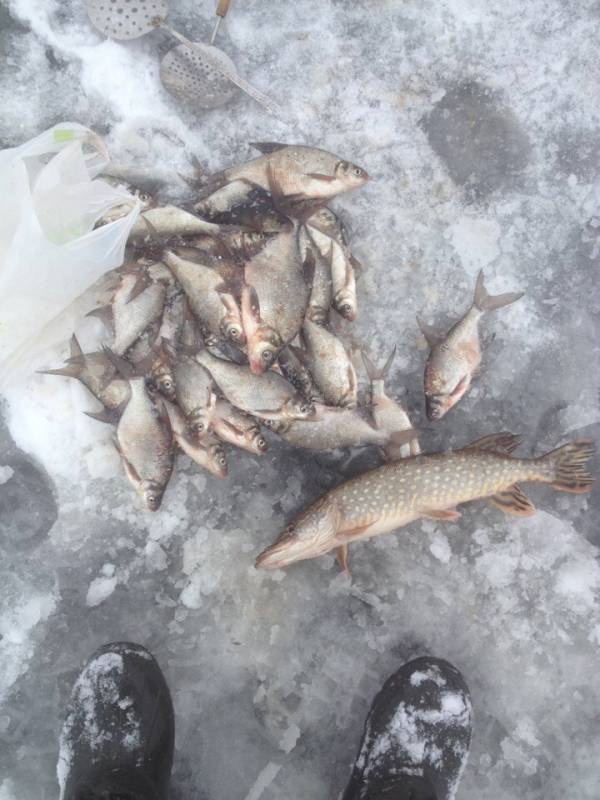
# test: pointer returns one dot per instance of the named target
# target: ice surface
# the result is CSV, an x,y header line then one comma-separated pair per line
x,y
478,125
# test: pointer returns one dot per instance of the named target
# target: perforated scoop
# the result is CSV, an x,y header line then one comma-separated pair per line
x,y
188,76
127,19
195,79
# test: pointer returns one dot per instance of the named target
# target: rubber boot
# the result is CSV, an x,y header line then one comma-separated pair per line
x,y
118,737
417,735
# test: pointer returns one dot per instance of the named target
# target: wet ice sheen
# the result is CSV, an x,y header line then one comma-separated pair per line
x,y
515,606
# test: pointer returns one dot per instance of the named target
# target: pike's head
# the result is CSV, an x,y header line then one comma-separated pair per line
x,y
350,175
311,534
152,494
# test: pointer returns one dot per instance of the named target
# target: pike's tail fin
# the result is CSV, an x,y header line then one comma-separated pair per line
x,y
567,467
488,302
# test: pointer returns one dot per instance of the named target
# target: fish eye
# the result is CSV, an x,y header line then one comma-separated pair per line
x,y
267,356
357,171
200,426
222,461
260,443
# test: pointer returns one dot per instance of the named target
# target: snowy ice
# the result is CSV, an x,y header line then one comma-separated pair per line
x,y
478,123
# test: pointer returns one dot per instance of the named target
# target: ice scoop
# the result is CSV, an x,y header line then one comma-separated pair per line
x,y
206,66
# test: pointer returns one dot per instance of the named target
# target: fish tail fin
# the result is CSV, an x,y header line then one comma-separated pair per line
x,y
488,302
123,367
68,371
566,467
373,373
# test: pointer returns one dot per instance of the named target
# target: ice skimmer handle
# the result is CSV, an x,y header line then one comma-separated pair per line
x,y
242,84
221,12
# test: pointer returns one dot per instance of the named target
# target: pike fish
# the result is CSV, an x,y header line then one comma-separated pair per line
x,y
145,444
454,359
268,396
388,415
208,454
386,498
274,298
238,428
329,364
299,170
215,307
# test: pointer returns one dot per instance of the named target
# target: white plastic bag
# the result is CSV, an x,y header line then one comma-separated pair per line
x,y
49,250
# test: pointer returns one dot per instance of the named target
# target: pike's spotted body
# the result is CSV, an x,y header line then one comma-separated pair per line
x,y
426,486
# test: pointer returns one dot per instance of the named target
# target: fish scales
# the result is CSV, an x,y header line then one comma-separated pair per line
x,y
430,482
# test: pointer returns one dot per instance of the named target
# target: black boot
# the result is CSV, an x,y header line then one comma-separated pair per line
x,y
117,740
416,738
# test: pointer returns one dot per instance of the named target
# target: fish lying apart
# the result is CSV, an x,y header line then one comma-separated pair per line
x,y
455,358
431,486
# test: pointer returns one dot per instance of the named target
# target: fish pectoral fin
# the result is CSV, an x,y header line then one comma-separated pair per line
x,y
341,554
130,470
513,501
308,267
141,284
106,415
319,176
502,443
351,533
448,514
267,147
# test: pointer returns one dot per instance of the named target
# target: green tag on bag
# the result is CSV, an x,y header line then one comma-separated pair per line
x,y
61,135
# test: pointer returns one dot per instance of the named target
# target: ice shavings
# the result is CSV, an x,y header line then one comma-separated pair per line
x,y
100,589
6,474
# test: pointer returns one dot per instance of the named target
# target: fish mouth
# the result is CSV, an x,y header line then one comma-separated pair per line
x,y
280,554
256,366
434,409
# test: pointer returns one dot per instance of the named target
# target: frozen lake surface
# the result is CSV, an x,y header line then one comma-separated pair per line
x,y
478,123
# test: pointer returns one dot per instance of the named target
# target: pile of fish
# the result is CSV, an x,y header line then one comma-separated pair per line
x,y
220,323
224,320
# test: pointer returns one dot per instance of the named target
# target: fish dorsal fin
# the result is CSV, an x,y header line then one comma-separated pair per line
x,y
75,347
513,501
103,313
268,147
501,443
429,332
